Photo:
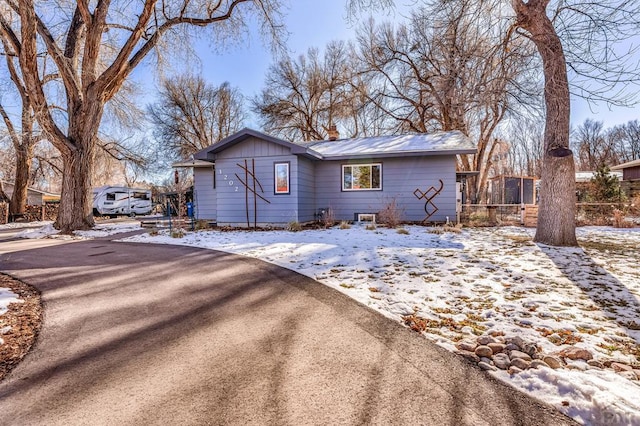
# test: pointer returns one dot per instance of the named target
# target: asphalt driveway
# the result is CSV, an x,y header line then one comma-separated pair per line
x,y
148,334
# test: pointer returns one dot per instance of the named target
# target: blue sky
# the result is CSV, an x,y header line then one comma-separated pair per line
x,y
314,24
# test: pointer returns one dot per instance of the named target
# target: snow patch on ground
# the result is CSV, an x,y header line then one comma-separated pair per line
x,y
480,280
107,229
100,230
18,225
36,233
6,297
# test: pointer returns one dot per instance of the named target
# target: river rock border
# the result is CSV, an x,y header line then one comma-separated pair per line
x,y
514,354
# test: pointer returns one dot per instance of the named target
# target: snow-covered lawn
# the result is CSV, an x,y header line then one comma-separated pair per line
x,y
492,281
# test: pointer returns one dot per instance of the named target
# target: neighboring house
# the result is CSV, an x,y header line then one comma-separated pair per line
x,y
630,170
250,178
587,177
35,197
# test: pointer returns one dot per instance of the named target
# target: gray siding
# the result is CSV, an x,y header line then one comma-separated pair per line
x,y
307,190
204,193
234,200
253,148
400,178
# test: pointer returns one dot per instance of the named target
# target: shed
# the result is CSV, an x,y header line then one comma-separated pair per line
x,y
630,170
35,197
254,179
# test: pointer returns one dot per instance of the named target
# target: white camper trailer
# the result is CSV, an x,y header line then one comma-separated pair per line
x,y
121,200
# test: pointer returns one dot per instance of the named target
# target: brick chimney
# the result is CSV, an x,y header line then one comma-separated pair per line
x,y
333,133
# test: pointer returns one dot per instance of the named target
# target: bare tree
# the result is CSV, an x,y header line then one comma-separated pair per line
x,y
191,114
46,171
525,145
448,69
7,161
590,29
627,140
94,47
24,140
595,145
24,137
304,97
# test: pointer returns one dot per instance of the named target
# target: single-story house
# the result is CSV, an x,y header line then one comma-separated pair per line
x,y
630,170
35,197
253,179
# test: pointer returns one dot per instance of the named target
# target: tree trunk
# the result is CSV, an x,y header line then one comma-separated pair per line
x,y
557,210
76,199
24,155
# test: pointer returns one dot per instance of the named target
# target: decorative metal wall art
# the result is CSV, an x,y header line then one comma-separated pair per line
x,y
251,187
429,206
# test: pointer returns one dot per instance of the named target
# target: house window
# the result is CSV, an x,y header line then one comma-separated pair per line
x,y
281,174
362,177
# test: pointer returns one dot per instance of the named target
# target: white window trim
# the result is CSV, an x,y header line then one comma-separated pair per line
x,y
370,177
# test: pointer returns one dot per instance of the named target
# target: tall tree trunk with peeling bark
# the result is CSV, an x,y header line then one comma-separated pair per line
x,y
556,214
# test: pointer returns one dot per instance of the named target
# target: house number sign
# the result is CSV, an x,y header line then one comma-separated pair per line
x,y
229,181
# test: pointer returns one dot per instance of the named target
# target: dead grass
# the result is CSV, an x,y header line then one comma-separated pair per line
x,y
619,220
391,214
438,230
608,246
294,226
202,225
178,233
520,239
560,337
420,324
345,225
24,319
328,219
